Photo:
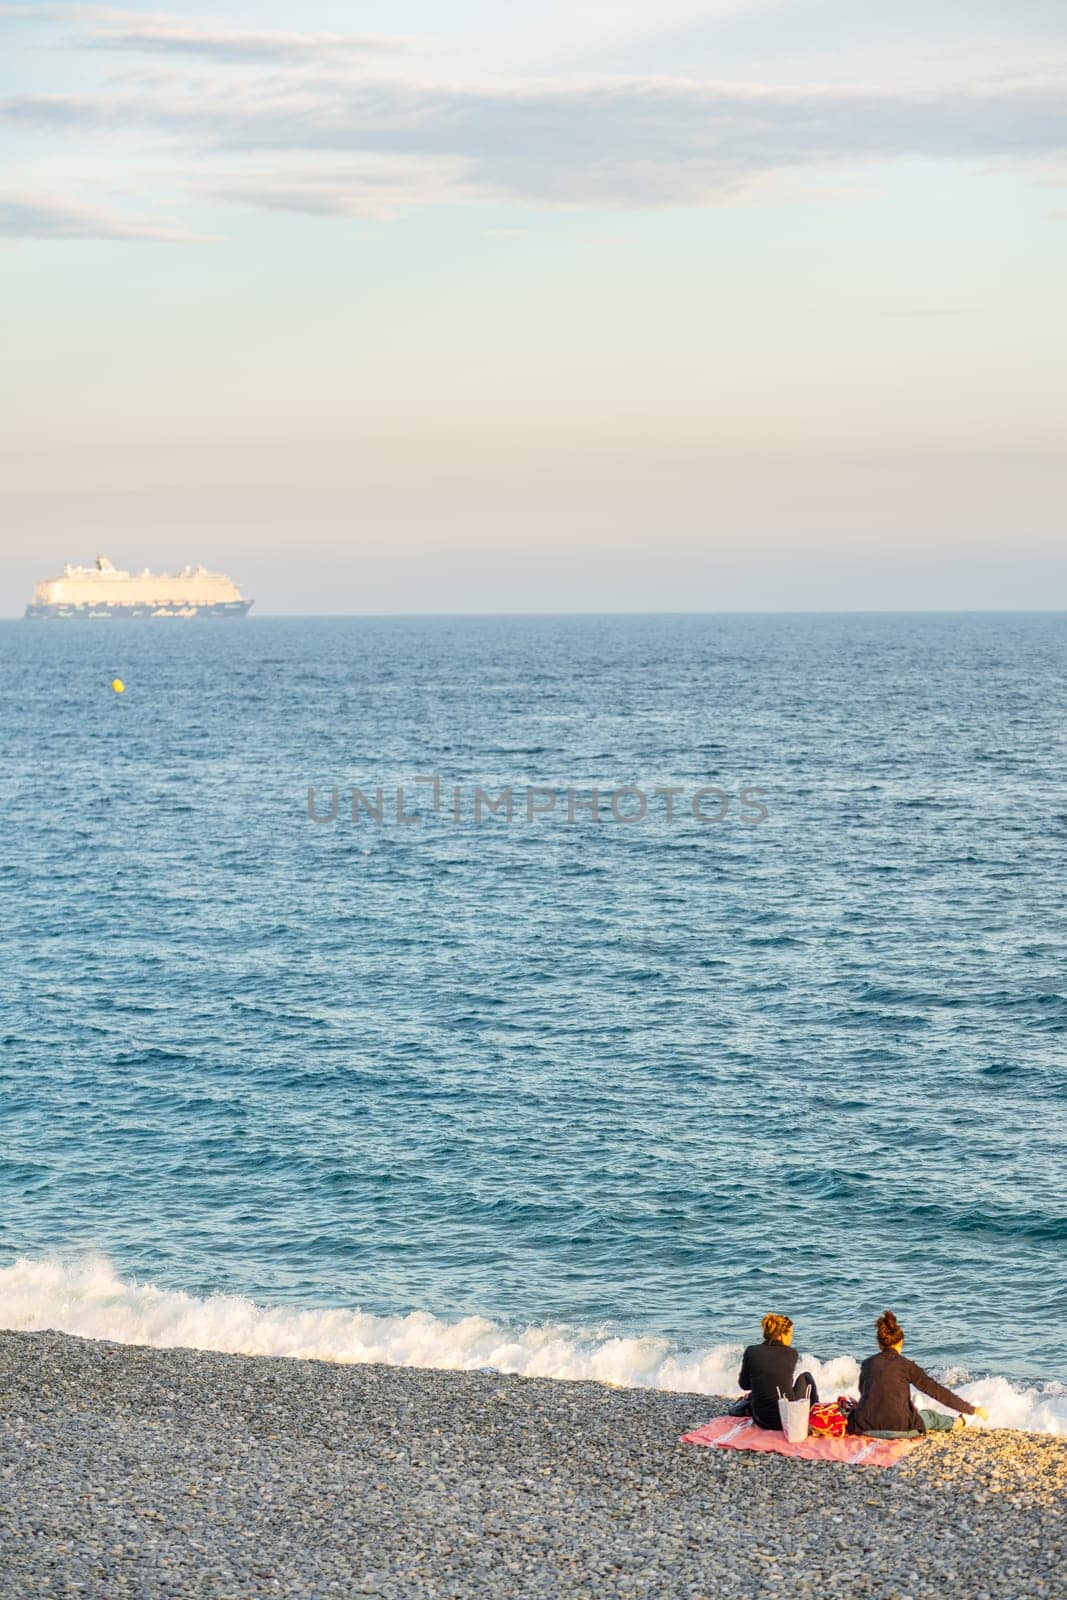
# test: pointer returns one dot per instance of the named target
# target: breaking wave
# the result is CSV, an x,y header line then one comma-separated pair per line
x,y
89,1299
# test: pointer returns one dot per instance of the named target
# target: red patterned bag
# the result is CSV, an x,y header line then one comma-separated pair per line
x,y
827,1421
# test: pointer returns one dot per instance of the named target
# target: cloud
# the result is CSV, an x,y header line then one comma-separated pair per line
x,y
234,45
377,189
28,218
307,123
637,142
115,29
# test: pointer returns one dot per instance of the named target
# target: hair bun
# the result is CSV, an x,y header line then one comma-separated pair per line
x,y
775,1327
888,1330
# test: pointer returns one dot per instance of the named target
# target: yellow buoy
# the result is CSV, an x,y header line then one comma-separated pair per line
x,y
118,685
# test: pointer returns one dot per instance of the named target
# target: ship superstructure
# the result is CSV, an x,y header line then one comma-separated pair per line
x,y
103,591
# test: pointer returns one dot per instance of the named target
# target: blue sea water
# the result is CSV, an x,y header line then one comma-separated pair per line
x,y
650,1079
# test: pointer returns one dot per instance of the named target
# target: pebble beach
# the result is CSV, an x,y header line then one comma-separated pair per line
x,y
144,1472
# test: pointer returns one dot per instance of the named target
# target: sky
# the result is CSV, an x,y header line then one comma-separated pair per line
x,y
742,305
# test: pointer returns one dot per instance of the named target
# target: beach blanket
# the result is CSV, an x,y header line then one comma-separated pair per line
x,y
741,1433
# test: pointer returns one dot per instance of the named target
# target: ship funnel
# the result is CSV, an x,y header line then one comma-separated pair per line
x,y
103,564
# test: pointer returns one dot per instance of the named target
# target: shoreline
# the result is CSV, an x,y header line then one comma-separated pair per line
x,y
87,1297
135,1470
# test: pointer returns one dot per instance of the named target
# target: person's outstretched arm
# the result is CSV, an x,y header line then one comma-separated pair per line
x,y
922,1380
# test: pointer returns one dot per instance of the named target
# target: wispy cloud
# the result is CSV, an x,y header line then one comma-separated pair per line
x,y
376,188
303,128
633,143
26,217
234,45
163,35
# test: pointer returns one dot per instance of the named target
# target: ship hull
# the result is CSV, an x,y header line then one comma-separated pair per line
x,y
92,611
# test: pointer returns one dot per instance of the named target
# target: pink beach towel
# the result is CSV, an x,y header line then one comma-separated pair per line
x,y
741,1433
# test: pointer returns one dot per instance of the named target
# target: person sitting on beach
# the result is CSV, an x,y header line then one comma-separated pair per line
x,y
770,1368
886,1409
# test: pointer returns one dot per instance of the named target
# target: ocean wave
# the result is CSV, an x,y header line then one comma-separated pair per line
x,y
88,1298
833,1183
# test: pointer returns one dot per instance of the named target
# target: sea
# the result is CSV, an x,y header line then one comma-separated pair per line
x,y
756,1001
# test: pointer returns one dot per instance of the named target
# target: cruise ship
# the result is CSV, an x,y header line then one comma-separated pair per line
x,y
103,591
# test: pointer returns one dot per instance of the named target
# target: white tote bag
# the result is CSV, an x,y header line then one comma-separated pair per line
x,y
794,1417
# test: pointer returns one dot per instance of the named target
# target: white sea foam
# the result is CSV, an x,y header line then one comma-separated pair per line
x,y
88,1298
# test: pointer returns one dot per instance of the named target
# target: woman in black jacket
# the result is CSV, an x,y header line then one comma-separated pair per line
x,y
886,1381
771,1366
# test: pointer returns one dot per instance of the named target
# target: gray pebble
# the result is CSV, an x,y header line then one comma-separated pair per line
x,y
174,1473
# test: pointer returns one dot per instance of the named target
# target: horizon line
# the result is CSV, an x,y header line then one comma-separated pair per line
x,y
738,611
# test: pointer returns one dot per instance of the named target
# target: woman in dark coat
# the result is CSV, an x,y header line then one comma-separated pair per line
x,y
771,1366
886,1408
